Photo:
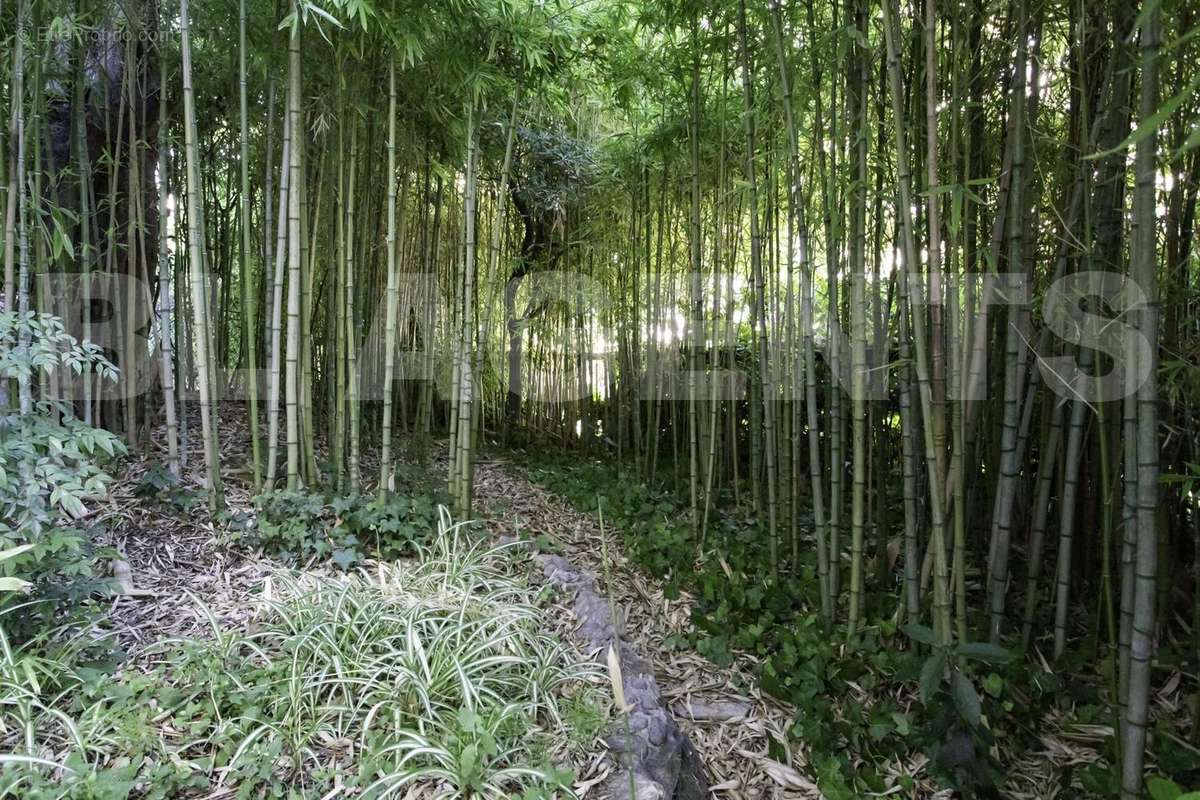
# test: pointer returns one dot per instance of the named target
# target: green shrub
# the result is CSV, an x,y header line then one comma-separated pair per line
x,y
159,484
49,462
299,526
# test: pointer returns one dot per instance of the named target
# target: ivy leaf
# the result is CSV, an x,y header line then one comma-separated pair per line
x,y
1163,789
73,505
344,557
467,763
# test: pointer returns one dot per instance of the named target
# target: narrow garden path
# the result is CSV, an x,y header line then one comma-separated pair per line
x,y
728,720
178,562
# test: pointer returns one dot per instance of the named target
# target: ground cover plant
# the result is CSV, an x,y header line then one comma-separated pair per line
x,y
433,673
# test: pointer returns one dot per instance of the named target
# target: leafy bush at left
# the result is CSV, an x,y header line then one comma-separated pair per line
x,y
50,462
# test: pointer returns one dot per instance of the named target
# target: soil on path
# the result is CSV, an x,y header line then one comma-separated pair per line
x,y
728,720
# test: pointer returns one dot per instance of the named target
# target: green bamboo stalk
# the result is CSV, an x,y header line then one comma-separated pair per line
x,y
386,476
248,324
165,338
200,317
292,387
352,374
275,356
467,378
858,301
760,319
913,291
694,330
1143,264
1014,372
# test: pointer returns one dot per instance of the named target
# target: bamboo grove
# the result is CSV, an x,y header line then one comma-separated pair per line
x,y
913,284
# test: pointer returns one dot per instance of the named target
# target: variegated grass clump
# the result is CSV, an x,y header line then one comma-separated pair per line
x,y
435,671
430,678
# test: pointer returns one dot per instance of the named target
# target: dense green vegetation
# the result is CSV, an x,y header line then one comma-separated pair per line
x,y
342,529
310,698
49,468
872,325
957,688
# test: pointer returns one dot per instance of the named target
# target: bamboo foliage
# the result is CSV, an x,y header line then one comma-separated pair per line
x,y
810,313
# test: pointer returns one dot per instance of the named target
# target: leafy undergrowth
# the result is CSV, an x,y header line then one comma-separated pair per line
x,y
52,469
866,707
433,674
299,527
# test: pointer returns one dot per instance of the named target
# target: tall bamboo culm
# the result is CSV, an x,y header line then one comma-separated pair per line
x,y
200,292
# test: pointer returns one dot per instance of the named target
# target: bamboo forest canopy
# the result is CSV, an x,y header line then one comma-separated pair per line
x,y
871,326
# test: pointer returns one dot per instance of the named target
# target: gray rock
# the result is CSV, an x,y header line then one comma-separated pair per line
x,y
664,763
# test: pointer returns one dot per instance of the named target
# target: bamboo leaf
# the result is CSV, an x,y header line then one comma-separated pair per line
x,y
919,633
1192,141
966,699
931,676
985,652
1151,124
614,676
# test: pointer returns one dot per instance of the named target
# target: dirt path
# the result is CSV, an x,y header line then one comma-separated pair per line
x,y
726,717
